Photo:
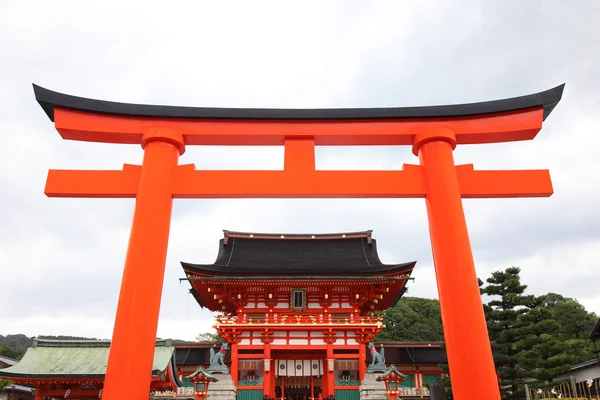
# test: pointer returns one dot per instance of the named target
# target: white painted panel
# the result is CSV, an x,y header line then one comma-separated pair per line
x,y
298,334
301,341
317,341
261,305
352,341
335,305
245,334
340,341
350,334
314,305
317,334
339,334
255,334
346,305
251,305
245,341
256,341
279,341
282,305
278,334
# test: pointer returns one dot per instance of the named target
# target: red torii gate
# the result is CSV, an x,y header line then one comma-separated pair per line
x,y
433,132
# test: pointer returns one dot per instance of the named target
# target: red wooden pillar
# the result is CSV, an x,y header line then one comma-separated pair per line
x,y
267,381
235,365
362,361
134,336
465,330
330,373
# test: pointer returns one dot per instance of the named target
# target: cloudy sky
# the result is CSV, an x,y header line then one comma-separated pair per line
x,y
61,260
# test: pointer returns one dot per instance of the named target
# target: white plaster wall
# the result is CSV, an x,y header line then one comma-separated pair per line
x,y
582,374
298,341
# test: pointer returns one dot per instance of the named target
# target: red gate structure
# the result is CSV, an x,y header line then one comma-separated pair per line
x,y
433,132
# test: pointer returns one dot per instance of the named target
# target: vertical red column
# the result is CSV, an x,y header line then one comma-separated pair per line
x,y
134,337
467,343
235,365
362,361
267,384
330,373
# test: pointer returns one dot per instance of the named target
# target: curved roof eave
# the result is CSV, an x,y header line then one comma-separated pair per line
x,y
49,99
223,271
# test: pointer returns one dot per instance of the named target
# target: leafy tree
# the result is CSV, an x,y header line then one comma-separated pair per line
x,y
19,342
574,320
209,337
413,319
10,353
553,344
4,383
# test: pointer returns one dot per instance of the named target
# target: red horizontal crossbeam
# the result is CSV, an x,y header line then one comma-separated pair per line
x,y
496,128
407,183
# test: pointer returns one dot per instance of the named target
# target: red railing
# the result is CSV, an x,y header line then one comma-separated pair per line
x,y
298,319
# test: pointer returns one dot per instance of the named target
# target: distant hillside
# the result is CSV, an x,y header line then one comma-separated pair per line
x,y
19,343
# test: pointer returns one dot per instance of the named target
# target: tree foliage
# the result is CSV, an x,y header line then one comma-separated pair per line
x,y
504,314
4,383
533,337
10,353
413,319
209,337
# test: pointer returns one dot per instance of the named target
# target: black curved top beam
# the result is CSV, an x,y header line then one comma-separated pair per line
x,y
49,99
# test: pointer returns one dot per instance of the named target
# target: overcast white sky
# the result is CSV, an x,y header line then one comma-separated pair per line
x,y
61,260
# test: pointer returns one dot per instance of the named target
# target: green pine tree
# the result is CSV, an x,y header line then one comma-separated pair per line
x,y
505,326
553,341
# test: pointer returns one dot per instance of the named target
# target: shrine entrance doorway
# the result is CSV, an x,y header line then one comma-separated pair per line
x,y
299,387
299,375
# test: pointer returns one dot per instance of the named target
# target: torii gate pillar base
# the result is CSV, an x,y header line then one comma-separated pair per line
x,y
465,330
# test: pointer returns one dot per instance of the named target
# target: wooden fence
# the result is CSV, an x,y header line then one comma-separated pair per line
x,y
566,390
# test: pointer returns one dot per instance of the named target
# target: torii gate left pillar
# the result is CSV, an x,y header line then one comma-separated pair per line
x,y
433,132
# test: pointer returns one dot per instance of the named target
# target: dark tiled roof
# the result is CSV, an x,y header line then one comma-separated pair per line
x,y
282,254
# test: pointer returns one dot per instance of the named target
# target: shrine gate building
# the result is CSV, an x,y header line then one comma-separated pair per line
x,y
298,310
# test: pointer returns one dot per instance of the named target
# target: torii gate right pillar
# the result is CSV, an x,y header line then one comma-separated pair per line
x,y
465,330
